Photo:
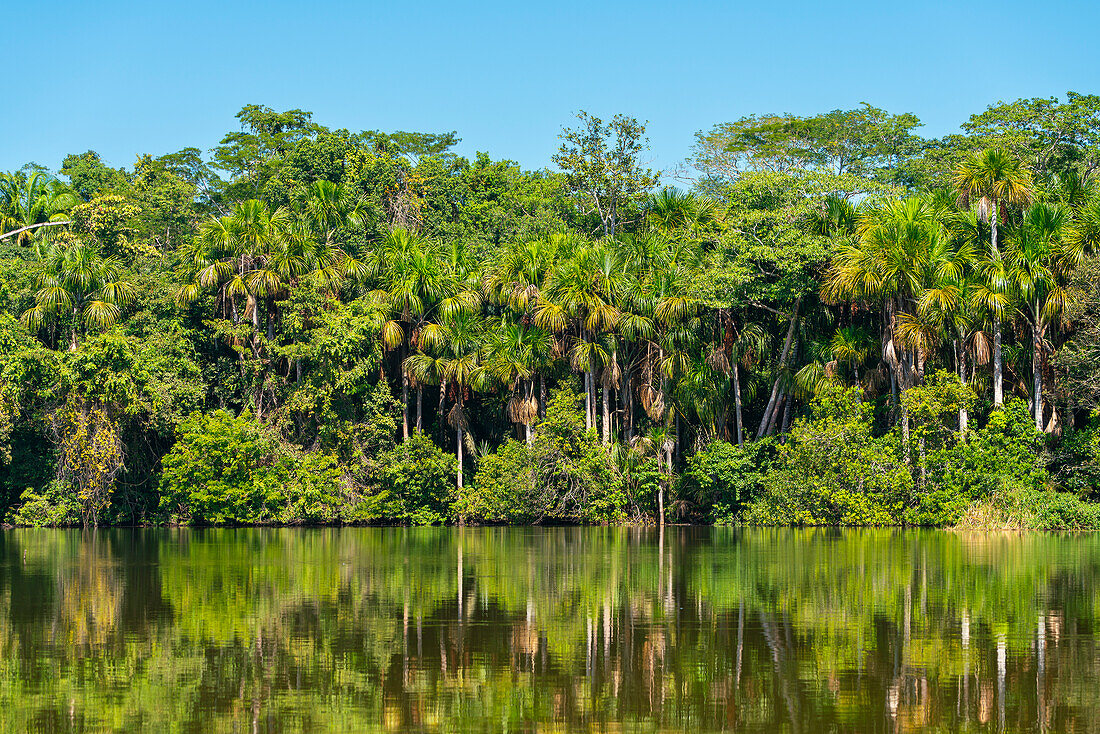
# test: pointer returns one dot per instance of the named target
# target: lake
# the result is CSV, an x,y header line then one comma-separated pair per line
x,y
548,629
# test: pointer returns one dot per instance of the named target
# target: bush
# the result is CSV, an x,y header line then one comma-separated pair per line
x,y
833,471
1078,461
565,474
1005,452
227,470
502,487
723,478
416,482
56,506
574,476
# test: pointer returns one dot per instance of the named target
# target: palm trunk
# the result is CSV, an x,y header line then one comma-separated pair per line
x,y
964,417
419,408
606,415
998,365
624,402
404,402
542,395
587,400
74,342
530,419
770,410
998,358
458,433
1037,372
737,403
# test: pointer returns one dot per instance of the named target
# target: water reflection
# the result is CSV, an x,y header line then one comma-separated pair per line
x,y
548,629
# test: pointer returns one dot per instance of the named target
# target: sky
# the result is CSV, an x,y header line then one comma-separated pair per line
x,y
126,78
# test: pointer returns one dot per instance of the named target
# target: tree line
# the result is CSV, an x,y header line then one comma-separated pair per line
x,y
831,319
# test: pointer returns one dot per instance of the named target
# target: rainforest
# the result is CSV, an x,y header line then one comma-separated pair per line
x,y
819,319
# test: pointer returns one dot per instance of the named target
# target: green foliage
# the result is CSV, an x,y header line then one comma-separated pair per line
x,y
350,295
418,477
502,487
1005,452
1077,461
724,478
1017,507
575,478
55,506
833,471
228,471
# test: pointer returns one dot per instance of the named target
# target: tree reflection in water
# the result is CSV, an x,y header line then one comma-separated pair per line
x,y
525,629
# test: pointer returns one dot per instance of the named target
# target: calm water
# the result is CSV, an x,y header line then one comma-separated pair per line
x,y
558,629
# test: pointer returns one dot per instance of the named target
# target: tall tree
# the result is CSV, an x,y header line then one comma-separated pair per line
x,y
994,180
602,164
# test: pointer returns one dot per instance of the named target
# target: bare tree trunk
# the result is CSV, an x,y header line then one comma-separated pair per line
x,y
1037,373
458,433
419,408
964,417
530,419
404,402
768,412
542,395
606,415
998,358
587,400
737,402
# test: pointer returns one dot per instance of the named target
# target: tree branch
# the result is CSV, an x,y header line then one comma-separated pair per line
x,y
32,226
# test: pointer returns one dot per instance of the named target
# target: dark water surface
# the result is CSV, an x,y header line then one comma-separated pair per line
x,y
548,629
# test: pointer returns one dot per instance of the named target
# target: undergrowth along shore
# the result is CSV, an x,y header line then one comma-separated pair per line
x,y
831,470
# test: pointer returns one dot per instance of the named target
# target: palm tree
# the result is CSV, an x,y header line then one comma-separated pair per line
x,y
514,355
683,214
459,342
994,180
231,256
77,279
1041,256
852,347
415,283
901,251
579,305
30,202
745,350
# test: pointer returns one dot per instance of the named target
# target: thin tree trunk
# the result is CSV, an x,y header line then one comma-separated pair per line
x,y
737,403
768,412
587,400
1037,372
404,398
458,433
606,415
998,359
998,365
419,407
542,395
964,417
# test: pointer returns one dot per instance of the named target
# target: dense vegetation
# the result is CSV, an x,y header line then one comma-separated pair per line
x,y
833,321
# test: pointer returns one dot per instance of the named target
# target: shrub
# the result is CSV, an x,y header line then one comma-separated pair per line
x,y
833,471
227,470
1078,461
417,478
56,506
1016,507
574,476
502,487
1005,452
723,478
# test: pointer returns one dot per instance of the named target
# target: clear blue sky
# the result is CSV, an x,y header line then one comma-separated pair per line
x,y
125,78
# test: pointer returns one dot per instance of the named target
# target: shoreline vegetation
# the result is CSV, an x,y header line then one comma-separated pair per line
x,y
830,321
